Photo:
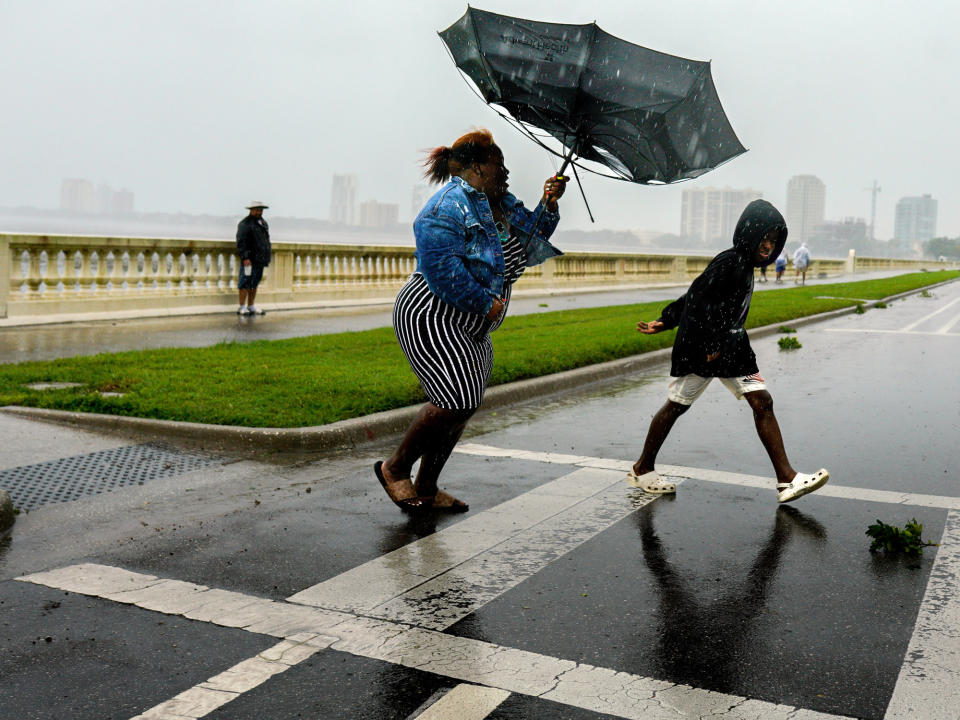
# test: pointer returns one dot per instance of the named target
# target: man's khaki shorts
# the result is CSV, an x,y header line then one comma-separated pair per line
x,y
684,390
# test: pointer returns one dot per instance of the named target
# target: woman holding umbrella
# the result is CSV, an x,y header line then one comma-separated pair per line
x,y
474,240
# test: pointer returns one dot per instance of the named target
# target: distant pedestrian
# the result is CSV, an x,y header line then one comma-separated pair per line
x,y
763,274
712,343
801,261
474,240
253,247
781,265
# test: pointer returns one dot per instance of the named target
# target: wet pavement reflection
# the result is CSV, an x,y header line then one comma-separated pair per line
x,y
701,638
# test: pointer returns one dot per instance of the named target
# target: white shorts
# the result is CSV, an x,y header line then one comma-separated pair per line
x,y
684,390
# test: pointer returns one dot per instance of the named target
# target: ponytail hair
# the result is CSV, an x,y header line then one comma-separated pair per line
x,y
475,147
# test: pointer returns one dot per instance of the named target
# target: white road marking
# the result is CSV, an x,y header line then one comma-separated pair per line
x,y
439,580
465,702
620,694
230,684
936,312
929,681
728,478
471,563
888,332
946,328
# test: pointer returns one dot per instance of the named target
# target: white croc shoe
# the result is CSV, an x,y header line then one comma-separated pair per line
x,y
802,484
651,482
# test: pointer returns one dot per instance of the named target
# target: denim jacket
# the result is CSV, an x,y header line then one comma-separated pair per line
x,y
458,248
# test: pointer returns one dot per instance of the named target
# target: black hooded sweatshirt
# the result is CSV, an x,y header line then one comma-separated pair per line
x,y
711,314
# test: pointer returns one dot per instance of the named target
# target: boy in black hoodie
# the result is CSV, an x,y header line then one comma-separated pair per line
x,y
711,343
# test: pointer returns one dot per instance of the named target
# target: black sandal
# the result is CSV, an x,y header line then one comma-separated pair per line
x,y
409,502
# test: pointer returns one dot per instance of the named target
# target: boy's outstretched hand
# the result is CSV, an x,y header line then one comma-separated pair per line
x,y
649,328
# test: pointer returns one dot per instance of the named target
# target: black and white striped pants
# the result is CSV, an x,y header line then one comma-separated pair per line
x,y
449,349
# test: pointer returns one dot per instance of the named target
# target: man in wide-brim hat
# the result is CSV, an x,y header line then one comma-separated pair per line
x,y
253,247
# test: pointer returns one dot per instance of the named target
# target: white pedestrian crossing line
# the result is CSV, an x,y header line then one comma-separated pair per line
x,y
222,688
465,702
728,478
395,607
928,684
599,689
441,579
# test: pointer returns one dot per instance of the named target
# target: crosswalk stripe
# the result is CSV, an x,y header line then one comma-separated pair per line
x,y
465,702
729,478
929,682
604,690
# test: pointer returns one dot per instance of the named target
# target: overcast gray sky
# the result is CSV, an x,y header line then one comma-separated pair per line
x,y
201,105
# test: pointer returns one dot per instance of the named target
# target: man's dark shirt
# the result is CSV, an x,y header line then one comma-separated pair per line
x,y
253,240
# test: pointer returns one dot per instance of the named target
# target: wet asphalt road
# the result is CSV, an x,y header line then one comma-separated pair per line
x,y
715,594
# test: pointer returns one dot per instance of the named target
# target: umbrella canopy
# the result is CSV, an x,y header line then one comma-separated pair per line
x,y
647,116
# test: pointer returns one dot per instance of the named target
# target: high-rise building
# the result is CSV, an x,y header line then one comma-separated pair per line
x,y
806,202
78,195
343,200
421,193
915,222
374,214
708,216
122,201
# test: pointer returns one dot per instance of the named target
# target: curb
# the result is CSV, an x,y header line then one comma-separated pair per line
x,y
355,432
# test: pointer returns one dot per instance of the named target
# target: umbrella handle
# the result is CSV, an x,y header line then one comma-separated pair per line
x,y
568,159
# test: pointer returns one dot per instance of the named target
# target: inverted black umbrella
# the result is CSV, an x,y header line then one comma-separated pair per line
x,y
647,116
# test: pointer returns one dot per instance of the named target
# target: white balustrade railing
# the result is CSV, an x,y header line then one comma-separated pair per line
x,y
46,275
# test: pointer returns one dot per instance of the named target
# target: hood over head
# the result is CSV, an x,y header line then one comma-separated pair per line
x,y
757,219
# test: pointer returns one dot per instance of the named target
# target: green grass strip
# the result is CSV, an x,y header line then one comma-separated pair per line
x,y
324,378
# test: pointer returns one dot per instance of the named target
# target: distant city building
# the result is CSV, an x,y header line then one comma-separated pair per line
x,y
806,202
915,222
374,214
343,200
78,195
835,238
122,202
421,193
708,216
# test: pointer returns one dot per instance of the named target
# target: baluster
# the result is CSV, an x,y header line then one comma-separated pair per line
x,y
111,272
323,270
20,269
68,278
165,272
188,272
125,272
233,270
31,277
210,271
140,272
297,271
45,272
222,263
98,268
176,273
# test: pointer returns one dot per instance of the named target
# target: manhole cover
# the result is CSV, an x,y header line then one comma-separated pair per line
x,y
31,486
